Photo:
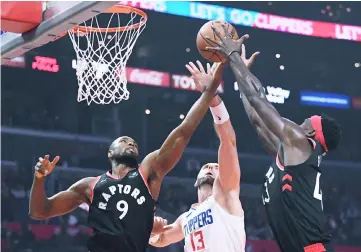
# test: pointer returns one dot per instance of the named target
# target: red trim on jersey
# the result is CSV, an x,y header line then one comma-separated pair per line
x,y
92,185
287,176
278,163
317,247
111,175
143,177
286,187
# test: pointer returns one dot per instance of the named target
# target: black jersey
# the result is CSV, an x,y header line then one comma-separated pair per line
x,y
293,200
121,214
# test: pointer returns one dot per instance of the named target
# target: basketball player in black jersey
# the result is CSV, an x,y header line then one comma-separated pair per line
x,y
291,193
122,200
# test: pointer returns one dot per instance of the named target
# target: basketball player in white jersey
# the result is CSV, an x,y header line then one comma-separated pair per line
x,y
216,222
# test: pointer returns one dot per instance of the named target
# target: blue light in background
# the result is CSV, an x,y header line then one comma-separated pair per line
x,y
324,99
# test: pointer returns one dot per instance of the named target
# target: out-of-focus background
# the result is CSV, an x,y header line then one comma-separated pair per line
x,y
308,67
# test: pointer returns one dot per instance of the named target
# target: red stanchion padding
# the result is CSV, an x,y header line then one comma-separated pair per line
x,y
20,17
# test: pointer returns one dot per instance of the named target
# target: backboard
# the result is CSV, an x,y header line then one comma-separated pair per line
x,y
58,17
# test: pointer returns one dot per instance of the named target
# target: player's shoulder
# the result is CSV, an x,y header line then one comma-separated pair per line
x,y
85,183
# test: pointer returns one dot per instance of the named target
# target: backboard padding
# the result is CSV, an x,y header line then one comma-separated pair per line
x,y
58,18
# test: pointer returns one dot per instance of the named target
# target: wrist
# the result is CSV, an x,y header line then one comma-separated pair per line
x,y
235,57
38,175
215,101
234,52
220,113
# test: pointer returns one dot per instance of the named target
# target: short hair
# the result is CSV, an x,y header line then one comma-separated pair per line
x,y
332,131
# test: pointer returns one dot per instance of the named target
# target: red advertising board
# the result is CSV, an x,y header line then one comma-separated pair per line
x,y
185,82
147,77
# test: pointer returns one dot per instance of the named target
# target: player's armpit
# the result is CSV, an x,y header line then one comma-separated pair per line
x,y
172,235
61,203
268,139
229,170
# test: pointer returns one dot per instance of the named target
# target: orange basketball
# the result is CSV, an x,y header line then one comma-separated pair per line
x,y
206,30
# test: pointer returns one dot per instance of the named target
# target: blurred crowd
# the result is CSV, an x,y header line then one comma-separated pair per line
x,y
69,232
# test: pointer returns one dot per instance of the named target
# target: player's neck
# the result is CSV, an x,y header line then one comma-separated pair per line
x,y
120,170
204,192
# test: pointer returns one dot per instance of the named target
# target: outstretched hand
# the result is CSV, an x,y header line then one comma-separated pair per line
x,y
225,45
160,225
202,78
248,62
44,167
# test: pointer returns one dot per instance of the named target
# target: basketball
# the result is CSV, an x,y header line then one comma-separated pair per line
x,y
206,30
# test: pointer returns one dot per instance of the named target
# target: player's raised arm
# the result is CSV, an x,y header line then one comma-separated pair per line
x,y
269,140
229,170
41,207
172,234
163,160
285,130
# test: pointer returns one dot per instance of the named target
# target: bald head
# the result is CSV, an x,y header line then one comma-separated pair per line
x,y
122,149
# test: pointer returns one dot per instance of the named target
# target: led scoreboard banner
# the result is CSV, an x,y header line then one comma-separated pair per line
x,y
252,19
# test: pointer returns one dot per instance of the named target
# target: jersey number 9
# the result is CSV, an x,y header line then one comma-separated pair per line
x,y
122,207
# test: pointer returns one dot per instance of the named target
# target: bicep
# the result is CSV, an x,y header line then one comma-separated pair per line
x,y
283,129
66,201
269,140
163,160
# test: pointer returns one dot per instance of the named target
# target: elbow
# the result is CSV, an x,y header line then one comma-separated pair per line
x,y
187,129
36,216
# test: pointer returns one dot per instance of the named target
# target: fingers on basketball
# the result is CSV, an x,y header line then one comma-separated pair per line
x,y
208,40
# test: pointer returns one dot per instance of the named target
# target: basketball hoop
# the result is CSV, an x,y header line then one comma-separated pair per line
x,y
102,54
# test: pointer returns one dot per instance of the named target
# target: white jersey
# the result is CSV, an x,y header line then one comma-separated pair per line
x,y
209,228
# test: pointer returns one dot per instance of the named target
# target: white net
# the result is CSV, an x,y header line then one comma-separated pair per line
x,y
102,57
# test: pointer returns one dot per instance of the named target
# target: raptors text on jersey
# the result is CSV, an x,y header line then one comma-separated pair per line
x,y
121,213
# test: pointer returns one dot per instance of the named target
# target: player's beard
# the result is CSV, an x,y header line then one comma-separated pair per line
x,y
206,180
127,159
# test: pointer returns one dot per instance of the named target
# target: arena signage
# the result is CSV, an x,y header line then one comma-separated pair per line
x,y
251,19
324,99
46,64
273,94
147,77
185,82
